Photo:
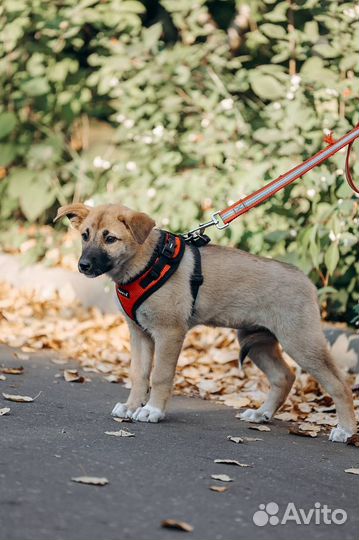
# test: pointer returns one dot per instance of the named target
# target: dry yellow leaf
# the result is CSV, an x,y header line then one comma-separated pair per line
x,y
231,462
236,440
13,370
90,480
222,477
72,375
4,411
174,524
352,471
260,427
120,433
219,489
20,399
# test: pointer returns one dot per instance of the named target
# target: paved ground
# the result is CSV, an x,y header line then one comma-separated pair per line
x,y
163,472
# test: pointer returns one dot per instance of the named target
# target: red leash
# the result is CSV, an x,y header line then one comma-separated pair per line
x,y
223,218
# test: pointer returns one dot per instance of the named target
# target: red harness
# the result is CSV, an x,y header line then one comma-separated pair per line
x,y
163,263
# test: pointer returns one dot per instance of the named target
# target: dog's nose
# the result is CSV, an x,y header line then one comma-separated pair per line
x,y
85,265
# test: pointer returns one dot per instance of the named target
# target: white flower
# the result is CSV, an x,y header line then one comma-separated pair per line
x,y
331,92
100,163
340,201
230,202
323,179
147,139
165,221
311,193
290,95
339,172
158,131
227,104
114,82
131,166
277,106
128,123
295,80
120,118
205,122
293,233
151,193
327,131
332,236
239,145
90,202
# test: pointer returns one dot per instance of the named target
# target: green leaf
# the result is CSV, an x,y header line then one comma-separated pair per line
x,y
274,31
265,86
8,122
36,87
331,258
7,154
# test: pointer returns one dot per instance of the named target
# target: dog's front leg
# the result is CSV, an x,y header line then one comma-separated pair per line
x,y
168,343
142,348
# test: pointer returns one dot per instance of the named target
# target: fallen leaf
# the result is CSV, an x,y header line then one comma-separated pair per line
x,y
2,378
219,489
260,427
112,378
222,477
13,371
237,402
296,431
120,433
4,411
90,480
252,439
21,356
309,427
72,375
287,417
231,462
236,440
179,525
20,399
353,440
121,420
352,471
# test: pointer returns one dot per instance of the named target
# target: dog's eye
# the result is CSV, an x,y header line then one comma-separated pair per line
x,y
85,236
110,239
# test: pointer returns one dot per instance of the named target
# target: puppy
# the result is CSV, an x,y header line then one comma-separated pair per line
x,y
273,305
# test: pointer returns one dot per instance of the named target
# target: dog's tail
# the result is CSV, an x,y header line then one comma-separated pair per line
x,y
248,339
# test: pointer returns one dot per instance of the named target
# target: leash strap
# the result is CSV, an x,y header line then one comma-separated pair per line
x,y
224,217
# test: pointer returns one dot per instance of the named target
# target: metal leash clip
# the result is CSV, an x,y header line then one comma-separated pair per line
x,y
197,237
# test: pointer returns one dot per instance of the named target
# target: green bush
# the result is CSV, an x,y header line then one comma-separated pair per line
x,y
179,107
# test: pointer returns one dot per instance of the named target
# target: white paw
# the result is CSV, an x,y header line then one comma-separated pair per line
x,y
121,410
255,415
339,434
148,414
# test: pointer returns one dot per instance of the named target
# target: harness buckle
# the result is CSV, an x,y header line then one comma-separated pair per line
x,y
169,247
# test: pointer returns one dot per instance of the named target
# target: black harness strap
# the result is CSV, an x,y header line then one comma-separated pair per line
x,y
197,276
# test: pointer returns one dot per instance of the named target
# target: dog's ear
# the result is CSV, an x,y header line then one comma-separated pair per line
x,y
76,213
139,224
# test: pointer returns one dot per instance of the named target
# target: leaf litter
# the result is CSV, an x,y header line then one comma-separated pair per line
x,y
120,433
4,410
232,462
20,399
207,367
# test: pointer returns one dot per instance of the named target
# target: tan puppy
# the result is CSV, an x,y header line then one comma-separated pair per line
x,y
270,303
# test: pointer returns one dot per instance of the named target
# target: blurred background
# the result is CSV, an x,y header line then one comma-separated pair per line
x,y
177,108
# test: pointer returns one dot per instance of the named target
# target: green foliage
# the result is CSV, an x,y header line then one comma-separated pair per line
x,y
171,108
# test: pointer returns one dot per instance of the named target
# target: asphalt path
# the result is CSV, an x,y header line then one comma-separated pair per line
x,y
164,472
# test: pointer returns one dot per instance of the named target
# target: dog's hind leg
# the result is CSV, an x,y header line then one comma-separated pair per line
x,y
310,351
263,349
142,349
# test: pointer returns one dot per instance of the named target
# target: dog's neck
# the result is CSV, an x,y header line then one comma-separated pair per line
x,y
136,264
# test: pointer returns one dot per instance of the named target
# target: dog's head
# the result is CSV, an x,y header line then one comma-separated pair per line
x,y
111,235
